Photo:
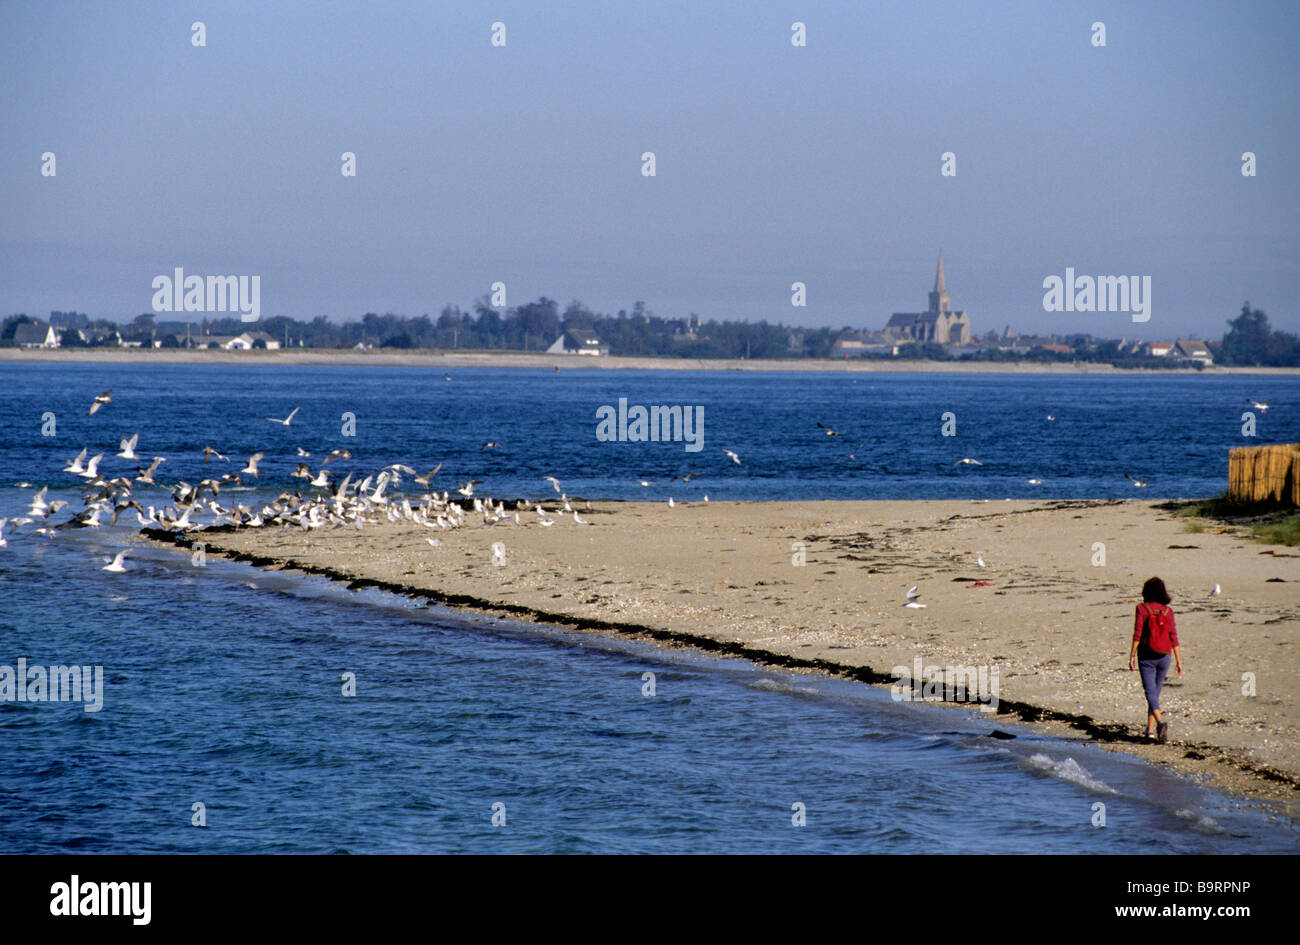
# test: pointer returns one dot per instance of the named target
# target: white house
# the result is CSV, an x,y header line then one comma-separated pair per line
x,y
1189,349
578,341
36,335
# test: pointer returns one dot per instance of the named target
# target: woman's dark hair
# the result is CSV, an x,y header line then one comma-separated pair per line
x,y
1153,591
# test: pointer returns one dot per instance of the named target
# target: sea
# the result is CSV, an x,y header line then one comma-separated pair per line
x,y
246,711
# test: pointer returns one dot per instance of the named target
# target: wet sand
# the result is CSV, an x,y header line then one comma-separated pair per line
x,y
1056,626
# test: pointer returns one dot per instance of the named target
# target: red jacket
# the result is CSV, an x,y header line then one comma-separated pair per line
x,y
1153,625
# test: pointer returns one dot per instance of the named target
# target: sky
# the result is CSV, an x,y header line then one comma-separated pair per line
x,y
774,163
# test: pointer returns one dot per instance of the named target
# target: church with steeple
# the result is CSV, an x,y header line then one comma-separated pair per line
x,y
939,323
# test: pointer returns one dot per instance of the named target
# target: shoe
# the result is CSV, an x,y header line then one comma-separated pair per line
x,y
1162,732
1148,734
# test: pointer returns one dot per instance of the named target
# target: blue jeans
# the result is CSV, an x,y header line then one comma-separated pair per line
x,y
1153,677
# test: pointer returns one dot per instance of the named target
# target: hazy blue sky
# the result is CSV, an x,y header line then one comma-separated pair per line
x,y
775,163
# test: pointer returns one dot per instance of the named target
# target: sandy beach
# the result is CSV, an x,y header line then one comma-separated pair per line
x,y
1055,625
445,360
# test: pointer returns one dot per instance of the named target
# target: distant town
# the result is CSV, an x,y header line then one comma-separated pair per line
x,y
939,333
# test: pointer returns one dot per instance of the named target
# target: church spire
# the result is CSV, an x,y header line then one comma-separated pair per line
x,y
939,297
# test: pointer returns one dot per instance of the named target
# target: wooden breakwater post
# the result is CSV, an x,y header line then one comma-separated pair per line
x,y
1265,473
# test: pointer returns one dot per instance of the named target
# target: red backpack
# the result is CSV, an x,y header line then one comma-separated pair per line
x,y
1157,628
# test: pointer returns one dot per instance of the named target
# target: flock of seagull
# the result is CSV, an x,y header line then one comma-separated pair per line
x,y
347,504
369,500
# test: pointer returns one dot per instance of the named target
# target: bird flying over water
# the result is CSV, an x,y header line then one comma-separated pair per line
x,y
100,401
428,477
1137,483
75,466
251,468
287,420
116,564
209,452
337,454
128,447
1261,406
967,461
491,445
1034,482
555,483
734,458
829,431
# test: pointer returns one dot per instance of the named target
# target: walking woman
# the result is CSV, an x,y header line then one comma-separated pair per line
x,y
1155,636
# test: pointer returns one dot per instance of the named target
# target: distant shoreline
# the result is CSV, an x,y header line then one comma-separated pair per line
x,y
444,359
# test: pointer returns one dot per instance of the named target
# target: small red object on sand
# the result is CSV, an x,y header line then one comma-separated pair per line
x,y
980,584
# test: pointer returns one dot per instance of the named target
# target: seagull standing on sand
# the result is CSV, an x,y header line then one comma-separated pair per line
x,y
287,420
100,401
670,502
979,559
116,564
1214,593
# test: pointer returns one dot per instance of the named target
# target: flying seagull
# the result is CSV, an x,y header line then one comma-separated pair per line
x,y
428,477
75,466
100,401
734,458
1034,482
116,564
128,447
1137,483
967,461
209,452
338,454
287,420
92,468
555,483
1258,405
829,431
912,595
491,445
251,468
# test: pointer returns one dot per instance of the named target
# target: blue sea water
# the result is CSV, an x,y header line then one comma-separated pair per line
x,y
223,683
